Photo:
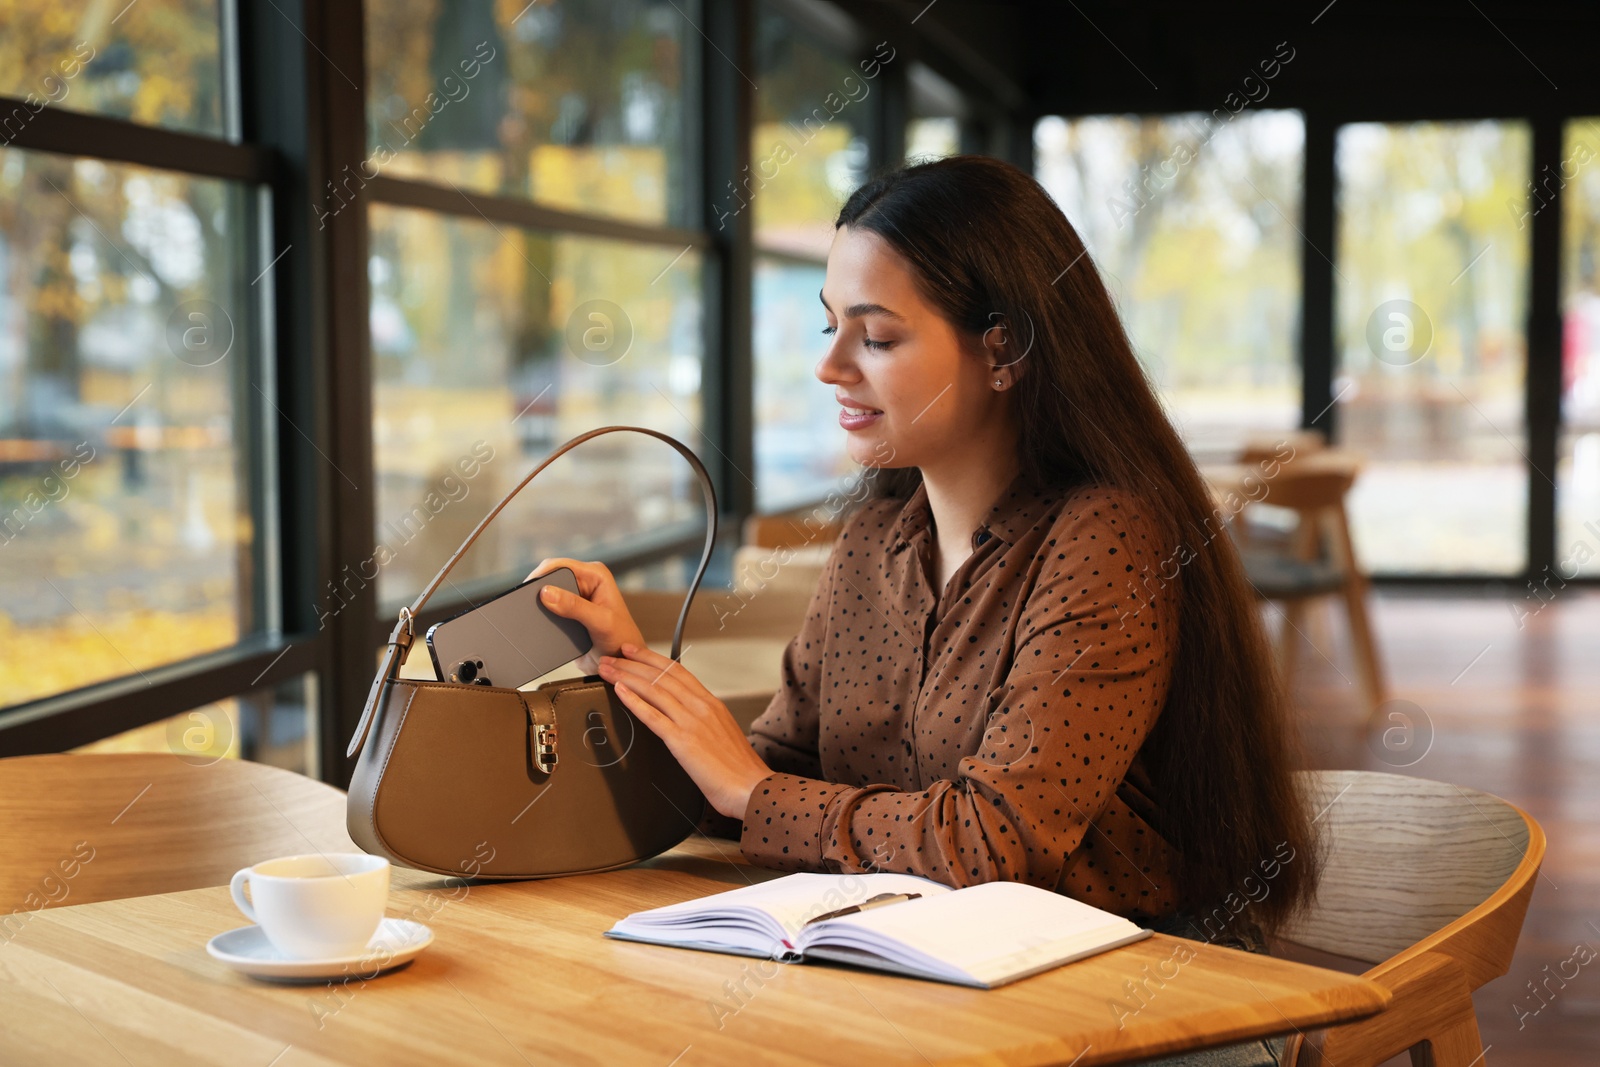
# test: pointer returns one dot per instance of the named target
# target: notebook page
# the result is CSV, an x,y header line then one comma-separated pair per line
x,y
982,930
788,901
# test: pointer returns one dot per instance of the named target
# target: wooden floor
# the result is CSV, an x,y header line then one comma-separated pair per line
x,y
1512,704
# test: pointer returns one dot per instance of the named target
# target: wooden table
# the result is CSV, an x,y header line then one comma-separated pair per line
x,y
520,974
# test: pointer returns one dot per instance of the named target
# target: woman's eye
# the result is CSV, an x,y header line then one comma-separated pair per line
x,y
828,331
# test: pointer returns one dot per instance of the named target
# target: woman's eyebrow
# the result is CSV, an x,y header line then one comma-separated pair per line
x,y
857,310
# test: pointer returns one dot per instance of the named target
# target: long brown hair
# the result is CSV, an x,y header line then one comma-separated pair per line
x,y
984,238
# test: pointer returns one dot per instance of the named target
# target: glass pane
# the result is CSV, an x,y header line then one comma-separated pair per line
x,y
800,454
676,572
275,725
1194,227
492,345
125,532
937,107
1578,477
807,149
157,62
578,105
932,138
1431,301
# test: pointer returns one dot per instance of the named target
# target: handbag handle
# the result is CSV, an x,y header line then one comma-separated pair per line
x,y
404,632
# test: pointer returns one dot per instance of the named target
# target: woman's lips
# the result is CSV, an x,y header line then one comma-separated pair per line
x,y
856,421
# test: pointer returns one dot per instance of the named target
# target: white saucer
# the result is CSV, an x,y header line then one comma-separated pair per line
x,y
247,949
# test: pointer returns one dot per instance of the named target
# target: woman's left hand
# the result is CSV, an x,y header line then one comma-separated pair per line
x,y
697,727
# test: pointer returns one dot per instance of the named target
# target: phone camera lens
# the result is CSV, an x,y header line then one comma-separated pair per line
x,y
466,671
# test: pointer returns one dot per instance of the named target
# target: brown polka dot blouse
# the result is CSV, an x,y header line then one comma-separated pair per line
x,y
989,730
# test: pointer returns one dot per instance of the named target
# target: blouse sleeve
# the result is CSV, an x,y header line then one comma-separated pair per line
x,y
1087,678
785,735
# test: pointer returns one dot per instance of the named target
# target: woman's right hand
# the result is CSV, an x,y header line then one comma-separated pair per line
x,y
598,606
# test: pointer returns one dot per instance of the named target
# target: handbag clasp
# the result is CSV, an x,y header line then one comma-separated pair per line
x,y
544,747
541,735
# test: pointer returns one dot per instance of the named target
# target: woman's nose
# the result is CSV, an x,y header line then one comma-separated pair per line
x,y
832,367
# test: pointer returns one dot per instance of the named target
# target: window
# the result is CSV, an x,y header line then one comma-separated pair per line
x,y
492,346
500,328
158,63
932,138
810,154
579,106
937,109
1431,289
140,533
799,445
1194,227
1578,477
128,387
274,724
807,147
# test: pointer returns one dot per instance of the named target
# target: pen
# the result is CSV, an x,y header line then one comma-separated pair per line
x,y
871,902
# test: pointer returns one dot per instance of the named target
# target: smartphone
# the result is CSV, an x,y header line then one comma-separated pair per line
x,y
510,639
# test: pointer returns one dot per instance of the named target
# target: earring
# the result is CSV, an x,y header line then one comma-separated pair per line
x,y
998,384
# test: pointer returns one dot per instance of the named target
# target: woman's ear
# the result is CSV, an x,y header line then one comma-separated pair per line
x,y
1004,351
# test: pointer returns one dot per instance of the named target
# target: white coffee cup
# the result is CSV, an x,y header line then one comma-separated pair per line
x,y
316,906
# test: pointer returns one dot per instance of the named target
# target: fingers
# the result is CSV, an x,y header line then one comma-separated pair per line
x,y
584,572
661,687
593,576
654,664
654,720
568,606
651,658
665,704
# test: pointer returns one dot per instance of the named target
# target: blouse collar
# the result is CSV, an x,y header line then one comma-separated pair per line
x,y
1022,503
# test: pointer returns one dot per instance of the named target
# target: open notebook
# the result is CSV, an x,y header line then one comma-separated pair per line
x,y
982,935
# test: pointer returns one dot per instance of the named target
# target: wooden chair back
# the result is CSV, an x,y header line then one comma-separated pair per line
x,y
763,613
1429,881
1309,489
1270,447
78,827
797,569
790,530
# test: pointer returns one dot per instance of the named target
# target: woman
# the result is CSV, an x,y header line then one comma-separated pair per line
x,y
1029,656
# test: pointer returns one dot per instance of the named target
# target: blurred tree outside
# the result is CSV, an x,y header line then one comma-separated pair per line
x,y
134,560
1194,230
1425,231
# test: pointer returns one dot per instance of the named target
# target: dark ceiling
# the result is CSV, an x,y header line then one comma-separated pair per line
x,y
1346,59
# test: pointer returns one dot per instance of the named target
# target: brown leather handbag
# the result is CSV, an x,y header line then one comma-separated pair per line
x,y
489,782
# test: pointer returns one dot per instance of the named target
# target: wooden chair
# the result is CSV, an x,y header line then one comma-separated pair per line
x,y
793,570
77,828
782,557
1267,448
1430,882
790,530
1316,560
719,614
